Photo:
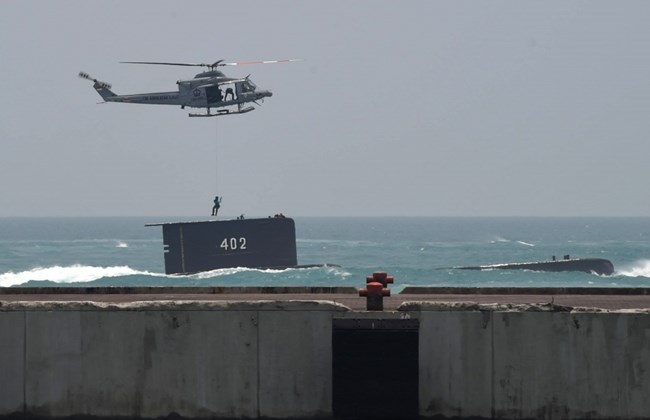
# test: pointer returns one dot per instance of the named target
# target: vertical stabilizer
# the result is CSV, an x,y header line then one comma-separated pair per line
x,y
103,88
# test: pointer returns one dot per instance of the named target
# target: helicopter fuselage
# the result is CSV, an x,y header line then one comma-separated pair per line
x,y
209,89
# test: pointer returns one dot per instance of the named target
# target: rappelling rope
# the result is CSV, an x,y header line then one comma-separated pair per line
x,y
216,156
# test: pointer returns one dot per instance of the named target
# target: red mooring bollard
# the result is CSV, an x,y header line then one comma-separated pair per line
x,y
381,277
375,290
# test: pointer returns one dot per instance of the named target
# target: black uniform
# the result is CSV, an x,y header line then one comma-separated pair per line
x,y
217,205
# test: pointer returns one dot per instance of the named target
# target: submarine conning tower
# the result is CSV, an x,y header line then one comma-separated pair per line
x,y
192,247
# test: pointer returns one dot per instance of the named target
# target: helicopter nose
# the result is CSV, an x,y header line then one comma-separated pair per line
x,y
265,93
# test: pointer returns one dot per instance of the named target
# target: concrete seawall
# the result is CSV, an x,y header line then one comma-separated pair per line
x,y
534,362
274,359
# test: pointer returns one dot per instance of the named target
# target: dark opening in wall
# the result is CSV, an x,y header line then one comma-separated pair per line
x,y
375,368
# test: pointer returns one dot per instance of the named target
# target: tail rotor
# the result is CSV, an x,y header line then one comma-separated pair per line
x,y
100,84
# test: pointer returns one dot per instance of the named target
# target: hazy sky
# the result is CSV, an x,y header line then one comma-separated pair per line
x,y
404,108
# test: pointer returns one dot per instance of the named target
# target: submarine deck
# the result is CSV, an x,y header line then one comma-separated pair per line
x,y
582,297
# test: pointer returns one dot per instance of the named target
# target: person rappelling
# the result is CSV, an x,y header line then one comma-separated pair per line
x,y
217,205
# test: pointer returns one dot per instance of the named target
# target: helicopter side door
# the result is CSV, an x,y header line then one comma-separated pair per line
x,y
213,94
200,95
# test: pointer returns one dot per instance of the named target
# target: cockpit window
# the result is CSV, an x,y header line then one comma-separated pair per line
x,y
248,86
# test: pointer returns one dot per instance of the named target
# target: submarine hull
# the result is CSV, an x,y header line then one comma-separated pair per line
x,y
192,247
587,265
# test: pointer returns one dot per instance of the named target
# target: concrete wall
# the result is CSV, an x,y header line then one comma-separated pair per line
x,y
533,362
151,360
12,362
274,359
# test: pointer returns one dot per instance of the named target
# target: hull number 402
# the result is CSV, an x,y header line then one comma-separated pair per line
x,y
233,244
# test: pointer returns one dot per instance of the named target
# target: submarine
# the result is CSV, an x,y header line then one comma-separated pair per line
x,y
264,243
599,266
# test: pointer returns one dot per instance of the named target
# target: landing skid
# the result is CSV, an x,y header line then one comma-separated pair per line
x,y
224,112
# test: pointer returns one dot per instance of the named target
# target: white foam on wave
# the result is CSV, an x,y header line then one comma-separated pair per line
x,y
639,268
71,274
335,270
500,239
122,245
228,272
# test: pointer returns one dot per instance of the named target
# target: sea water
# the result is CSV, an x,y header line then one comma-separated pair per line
x,y
417,251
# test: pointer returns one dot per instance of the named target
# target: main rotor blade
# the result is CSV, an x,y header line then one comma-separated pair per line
x,y
245,63
167,64
215,64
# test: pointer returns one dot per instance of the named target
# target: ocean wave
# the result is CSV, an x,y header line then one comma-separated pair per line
x,y
337,271
70,274
226,272
640,268
237,270
337,242
525,243
500,239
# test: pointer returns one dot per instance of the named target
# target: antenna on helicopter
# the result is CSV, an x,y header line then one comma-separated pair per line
x,y
86,76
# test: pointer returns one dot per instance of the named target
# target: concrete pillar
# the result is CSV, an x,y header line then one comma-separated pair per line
x,y
455,363
53,363
12,362
157,362
571,365
295,362
533,361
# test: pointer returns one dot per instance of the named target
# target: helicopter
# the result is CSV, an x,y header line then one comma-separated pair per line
x,y
203,91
